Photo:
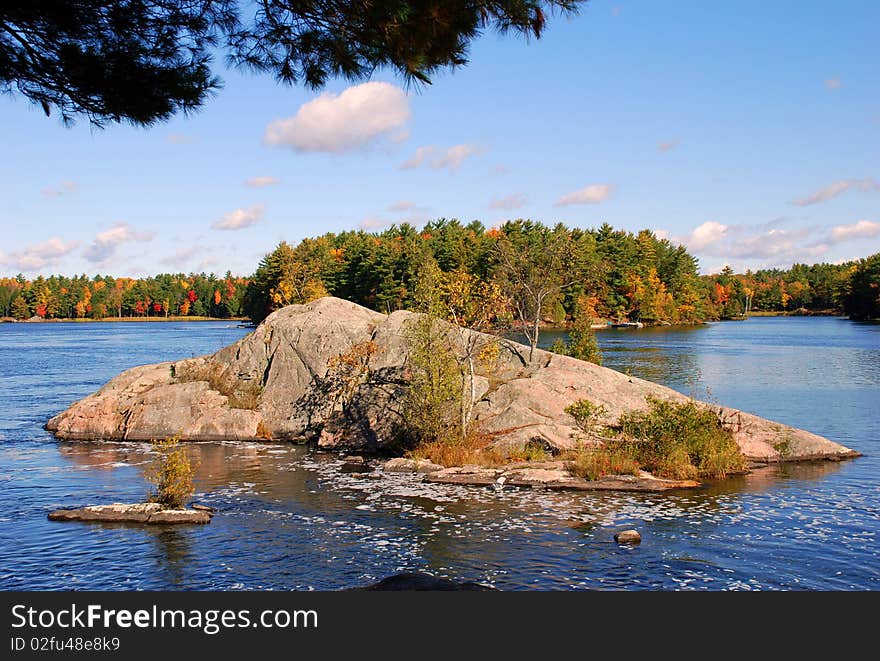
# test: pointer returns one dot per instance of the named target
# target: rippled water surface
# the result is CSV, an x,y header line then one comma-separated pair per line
x,y
291,520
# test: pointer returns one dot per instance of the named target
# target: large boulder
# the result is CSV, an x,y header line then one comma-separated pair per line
x,y
283,382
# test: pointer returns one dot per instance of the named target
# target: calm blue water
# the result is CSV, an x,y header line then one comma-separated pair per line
x,y
290,520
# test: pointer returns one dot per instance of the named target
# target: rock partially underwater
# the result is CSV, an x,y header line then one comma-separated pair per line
x,y
278,383
151,513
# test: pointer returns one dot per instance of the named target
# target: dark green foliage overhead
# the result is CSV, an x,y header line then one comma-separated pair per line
x,y
127,60
142,61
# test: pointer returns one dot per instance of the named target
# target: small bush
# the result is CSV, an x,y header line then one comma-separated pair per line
x,y
586,414
675,440
783,447
681,440
172,473
432,404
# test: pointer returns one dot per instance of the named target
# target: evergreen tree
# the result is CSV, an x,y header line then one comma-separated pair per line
x,y
143,61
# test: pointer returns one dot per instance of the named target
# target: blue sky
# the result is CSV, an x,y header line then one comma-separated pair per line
x,y
748,131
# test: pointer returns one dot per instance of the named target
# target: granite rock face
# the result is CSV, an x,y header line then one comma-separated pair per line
x,y
278,383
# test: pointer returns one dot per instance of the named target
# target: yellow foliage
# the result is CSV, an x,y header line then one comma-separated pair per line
x,y
172,473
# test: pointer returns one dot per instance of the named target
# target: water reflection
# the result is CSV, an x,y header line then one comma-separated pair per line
x,y
173,553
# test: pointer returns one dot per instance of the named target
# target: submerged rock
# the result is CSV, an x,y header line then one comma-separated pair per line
x,y
422,581
134,513
277,383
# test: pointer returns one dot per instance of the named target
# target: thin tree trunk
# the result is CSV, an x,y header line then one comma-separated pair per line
x,y
473,395
534,339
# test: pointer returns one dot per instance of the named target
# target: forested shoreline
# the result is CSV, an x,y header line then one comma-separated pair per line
x,y
602,273
105,297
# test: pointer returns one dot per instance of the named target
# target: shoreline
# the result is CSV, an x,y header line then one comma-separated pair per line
x,y
65,320
544,328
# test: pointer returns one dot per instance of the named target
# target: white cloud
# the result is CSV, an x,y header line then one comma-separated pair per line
x,y
400,136
781,245
338,123
867,185
669,145
816,250
774,246
661,234
260,182
105,243
64,188
414,161
592,194
705,235
863,229
450,158
508,202
240,218
39,256
182,256
453,157
833,83
179,139
715,270
374,223
402,206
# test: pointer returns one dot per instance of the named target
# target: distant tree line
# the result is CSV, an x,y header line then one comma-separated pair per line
x,y
850,288
101,297
523,272
553,274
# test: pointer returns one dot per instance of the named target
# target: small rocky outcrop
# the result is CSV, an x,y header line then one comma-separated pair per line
x,y
151,513
277,383
404,465
628,537
551,475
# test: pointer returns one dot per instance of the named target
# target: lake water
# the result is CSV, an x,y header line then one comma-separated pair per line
x,y
289,520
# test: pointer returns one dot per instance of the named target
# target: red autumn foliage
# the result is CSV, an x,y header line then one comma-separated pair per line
x,y
230,290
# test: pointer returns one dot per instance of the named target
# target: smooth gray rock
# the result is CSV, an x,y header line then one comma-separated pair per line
x,y
274,383
403,465
151,513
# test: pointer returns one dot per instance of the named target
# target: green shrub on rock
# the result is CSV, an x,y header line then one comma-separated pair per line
x,y
172,473
675,440
682,440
